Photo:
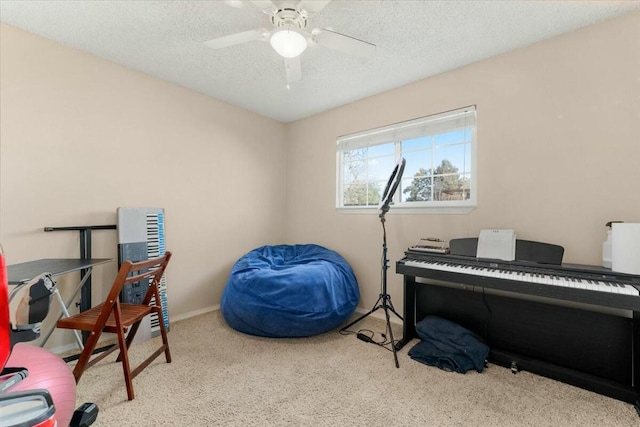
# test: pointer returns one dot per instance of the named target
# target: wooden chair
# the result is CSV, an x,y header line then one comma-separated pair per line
x,y
116,317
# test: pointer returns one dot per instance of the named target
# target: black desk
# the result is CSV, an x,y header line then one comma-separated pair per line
x,y
22,273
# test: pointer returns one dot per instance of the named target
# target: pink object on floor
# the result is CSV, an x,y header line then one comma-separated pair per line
x,y
48,371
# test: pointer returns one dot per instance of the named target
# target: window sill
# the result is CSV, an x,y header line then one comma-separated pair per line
x,y
409,210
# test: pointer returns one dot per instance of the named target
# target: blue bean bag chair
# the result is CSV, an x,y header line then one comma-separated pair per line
x,y
289,291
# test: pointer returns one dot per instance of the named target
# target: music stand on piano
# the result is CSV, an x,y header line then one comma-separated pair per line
x,y
384,300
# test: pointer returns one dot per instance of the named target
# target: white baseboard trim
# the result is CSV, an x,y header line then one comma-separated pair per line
x,y
191,314
64,349
109,337
378,314
73,347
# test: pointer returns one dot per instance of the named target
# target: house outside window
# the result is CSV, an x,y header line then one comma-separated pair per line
x,y
440,174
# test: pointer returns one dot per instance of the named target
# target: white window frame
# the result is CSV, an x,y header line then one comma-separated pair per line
x,y
465,117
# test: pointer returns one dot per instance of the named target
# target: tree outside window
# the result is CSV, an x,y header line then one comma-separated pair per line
x,y
440,172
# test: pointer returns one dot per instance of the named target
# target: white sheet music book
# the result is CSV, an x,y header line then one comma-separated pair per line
x,y
497,244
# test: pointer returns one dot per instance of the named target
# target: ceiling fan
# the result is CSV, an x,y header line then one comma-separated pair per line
x,y
289,36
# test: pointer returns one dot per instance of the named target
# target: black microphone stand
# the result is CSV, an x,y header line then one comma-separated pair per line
x,y
384,300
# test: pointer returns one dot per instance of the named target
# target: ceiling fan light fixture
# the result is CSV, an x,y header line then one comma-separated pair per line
x,y
288,43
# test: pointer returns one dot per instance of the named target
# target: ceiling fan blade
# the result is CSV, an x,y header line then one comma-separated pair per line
x,y
343,43
238,38
293,70
314,6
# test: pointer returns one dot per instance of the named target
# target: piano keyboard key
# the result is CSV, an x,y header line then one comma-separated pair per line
x,y
531,277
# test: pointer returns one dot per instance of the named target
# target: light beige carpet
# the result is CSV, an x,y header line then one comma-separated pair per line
x,y
221,377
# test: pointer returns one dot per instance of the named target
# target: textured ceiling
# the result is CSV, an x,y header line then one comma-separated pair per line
x,y
414,40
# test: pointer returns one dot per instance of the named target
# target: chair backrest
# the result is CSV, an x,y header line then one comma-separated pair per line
x,y
148,272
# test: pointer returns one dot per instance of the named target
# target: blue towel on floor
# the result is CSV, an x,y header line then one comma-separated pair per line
x,y
448,346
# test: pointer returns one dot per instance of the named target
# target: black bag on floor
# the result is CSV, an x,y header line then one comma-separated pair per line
x,y
448,346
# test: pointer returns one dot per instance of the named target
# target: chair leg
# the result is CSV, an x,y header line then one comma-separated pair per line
x,y
130,335
163,333
124,356
85,356
165,340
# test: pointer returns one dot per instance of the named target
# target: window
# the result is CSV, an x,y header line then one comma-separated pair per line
x,y
440,172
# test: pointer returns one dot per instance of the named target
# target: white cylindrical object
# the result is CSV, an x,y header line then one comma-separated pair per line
x,y
625,247
606,251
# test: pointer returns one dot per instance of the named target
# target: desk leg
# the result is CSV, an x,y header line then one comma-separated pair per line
x,y
635,359
65,312
85,253
65,306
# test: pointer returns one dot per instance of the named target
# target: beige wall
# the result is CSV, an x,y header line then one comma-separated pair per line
x,y
557,137
558,152
81,136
